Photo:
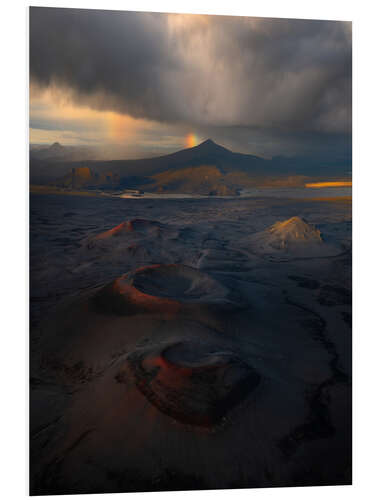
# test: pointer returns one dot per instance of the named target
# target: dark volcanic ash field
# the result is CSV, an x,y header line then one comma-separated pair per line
x,y
189,344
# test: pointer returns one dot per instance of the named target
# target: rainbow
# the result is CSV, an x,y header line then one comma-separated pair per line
x,y
191,140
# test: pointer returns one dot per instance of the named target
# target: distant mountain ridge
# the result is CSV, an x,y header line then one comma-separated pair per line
x,y
225,171
56,152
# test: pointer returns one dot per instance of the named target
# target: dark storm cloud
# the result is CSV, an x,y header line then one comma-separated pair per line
x,y
265,74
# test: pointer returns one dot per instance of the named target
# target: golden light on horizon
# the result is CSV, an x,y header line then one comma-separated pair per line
x,y
58,117
71,120
329,184
119,127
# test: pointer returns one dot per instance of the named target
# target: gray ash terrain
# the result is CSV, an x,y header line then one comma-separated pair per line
x,y
181,344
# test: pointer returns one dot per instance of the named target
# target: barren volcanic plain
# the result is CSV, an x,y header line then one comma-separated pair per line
x,y
184,344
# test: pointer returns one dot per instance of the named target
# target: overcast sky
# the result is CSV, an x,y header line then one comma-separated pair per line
x,y
151,83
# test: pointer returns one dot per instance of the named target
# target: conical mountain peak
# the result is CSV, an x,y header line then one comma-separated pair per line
x,y
295,229
210,145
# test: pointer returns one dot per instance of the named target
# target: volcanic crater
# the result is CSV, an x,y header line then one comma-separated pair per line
x,y
192,382
163,288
